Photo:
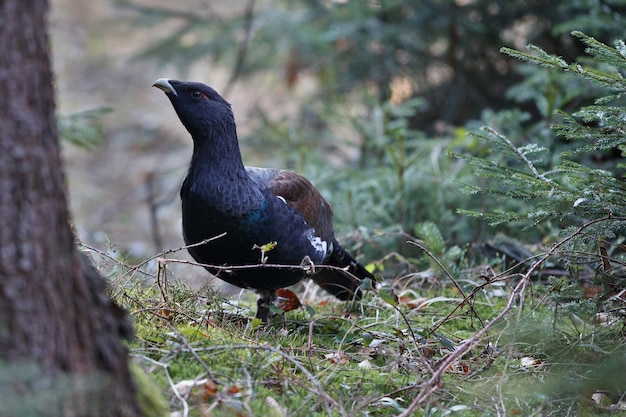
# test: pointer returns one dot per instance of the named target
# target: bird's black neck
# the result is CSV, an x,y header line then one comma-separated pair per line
x,y
217,171
217,152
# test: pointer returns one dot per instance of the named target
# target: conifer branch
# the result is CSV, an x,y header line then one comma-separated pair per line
x,y
521,156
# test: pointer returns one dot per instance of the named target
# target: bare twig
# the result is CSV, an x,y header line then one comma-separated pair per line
x,y
434,382
176,393
191,350
153,208
306,268
451,278
242,50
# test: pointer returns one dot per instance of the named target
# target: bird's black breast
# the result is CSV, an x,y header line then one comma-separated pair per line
x,y
273,221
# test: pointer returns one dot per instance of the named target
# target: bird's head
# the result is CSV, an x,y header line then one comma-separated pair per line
x,y
199,107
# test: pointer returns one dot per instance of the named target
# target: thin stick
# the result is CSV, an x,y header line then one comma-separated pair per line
x,y
176,393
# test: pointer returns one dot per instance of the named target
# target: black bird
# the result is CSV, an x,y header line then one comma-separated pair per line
x,y
254,207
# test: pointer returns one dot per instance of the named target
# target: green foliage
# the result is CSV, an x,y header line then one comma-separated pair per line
x,y
580,355
569,193
84,128
612,56
556,181
604,19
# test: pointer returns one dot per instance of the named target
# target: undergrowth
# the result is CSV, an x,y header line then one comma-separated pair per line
x,y
477,341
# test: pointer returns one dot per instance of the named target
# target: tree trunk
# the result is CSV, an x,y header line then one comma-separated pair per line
x,y
60,349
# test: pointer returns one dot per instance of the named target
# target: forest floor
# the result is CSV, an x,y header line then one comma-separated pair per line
x,y
477,342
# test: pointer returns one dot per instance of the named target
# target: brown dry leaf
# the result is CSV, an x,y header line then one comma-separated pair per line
x,y
233,390
163,311
286,300
591,291
427,352
337,358
210,389
602,319
459,367
323,302
413,303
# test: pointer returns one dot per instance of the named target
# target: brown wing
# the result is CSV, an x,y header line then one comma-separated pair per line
x,y
300,194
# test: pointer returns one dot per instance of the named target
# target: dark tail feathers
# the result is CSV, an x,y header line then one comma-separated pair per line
x,y
344,286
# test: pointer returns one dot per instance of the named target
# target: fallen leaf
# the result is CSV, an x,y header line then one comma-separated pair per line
x,y
603,319
413,303
529,361
601,399
459,367
286,300
323,302
185,386
337,358
210,389
427,352
591,291
365,364
233,390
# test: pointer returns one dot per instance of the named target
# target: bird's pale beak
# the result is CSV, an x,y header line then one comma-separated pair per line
x,y
164,84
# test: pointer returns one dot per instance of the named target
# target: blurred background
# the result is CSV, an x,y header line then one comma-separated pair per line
x,y
365,98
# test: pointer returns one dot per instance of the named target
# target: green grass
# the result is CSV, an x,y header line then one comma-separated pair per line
x,y
433,352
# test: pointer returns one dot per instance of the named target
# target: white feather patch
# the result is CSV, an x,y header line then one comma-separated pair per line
x,y
318,244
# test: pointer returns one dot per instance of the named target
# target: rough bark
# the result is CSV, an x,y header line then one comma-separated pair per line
x,y
59,334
